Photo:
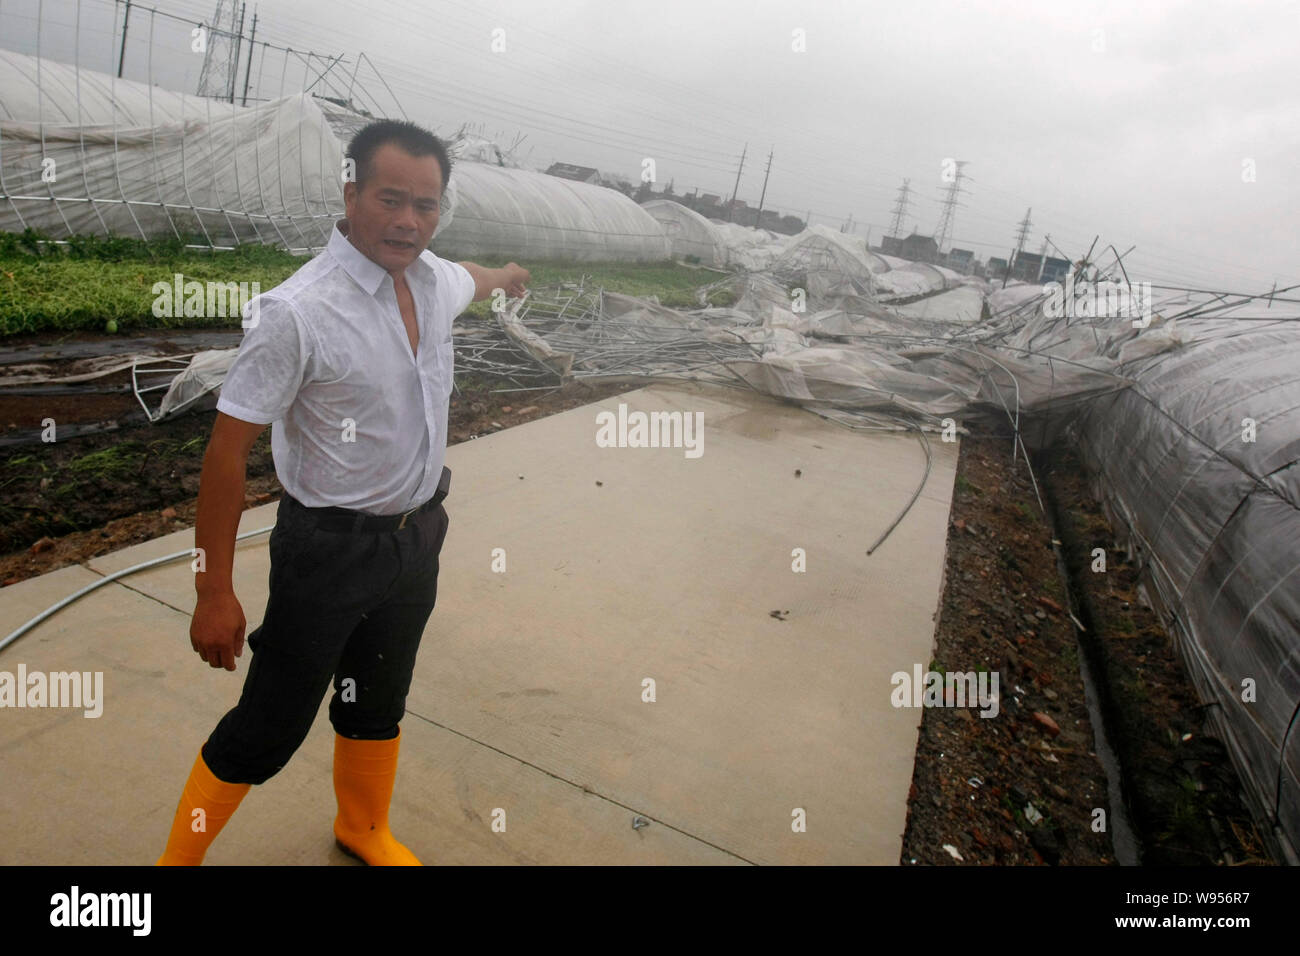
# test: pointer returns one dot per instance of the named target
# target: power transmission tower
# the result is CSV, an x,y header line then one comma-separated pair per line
x,y
731,208
949,208
217,78
900,208
1023,235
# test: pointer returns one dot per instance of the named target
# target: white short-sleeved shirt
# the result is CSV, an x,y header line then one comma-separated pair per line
x,y
357,421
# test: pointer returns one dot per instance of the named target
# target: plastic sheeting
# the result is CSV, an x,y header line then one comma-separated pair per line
x,y
207,370
962,304
908,279
1214,511
34,89
828,261
268,174
749,250
133,159
689,233
525,215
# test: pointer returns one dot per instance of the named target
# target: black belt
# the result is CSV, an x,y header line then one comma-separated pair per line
x,y
358,522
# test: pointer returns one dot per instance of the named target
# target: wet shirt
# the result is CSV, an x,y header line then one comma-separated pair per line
x,y
357,420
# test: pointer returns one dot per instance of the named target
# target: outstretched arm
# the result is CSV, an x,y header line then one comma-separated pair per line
x,y
511,277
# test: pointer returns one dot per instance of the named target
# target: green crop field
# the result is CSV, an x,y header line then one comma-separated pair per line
x,y
85,283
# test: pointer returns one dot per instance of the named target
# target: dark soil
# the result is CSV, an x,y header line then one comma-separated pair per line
x,y
69,500
1182,791
1005,607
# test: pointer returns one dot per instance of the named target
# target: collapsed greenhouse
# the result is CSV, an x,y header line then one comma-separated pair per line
x,y
85,153
1189,424
1190,427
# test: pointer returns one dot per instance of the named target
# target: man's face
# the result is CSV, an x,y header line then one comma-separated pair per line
x,y
393,215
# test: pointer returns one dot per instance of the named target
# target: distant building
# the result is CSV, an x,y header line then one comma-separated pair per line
x,y
891,246
961,260
1027,267
919,248
1054,270
582,174
996,268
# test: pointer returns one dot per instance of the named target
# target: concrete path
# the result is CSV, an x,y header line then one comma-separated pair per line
x,y
623,566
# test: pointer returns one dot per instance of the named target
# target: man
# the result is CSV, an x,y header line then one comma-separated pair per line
x,y
351,361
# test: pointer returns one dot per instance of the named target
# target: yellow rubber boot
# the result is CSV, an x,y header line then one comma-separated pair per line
x,y
363,783
192,833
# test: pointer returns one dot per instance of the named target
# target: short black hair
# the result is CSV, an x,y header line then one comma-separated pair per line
x,y
413,139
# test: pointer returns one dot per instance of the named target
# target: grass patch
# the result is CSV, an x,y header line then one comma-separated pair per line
x,y
116,461
82,284
673,284
125,461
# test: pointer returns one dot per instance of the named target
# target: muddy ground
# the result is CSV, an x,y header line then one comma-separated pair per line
x,y
72,499
1182,791
1024,787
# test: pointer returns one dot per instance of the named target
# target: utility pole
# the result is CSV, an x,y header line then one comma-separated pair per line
x,y
121,56
1006,273
900,208
249,68
239,38
731,208
758,223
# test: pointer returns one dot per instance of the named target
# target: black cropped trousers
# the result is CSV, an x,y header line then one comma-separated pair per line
x,y
347,607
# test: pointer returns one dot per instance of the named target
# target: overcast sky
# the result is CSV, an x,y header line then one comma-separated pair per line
x,y
1139,121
